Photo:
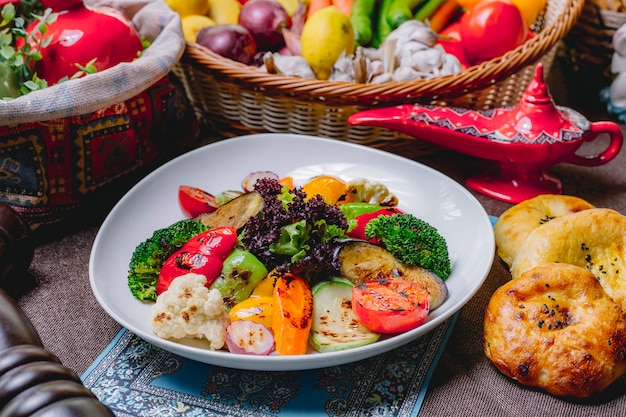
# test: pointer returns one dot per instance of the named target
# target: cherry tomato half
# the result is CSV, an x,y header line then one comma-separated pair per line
x,y
390,305
194,201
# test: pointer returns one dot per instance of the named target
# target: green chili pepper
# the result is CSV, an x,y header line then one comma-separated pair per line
x,y
361,20
241,272
383,28
400,11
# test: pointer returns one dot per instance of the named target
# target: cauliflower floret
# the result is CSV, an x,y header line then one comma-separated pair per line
x,y
189,309
372,192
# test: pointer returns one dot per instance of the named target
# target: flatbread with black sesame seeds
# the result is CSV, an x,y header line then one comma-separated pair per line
x,y
594,239
516,223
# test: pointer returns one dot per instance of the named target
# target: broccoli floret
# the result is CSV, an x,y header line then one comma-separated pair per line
x,y
412,241
150,255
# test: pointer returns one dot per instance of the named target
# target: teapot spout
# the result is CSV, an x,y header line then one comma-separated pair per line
x,y
407,119
393,118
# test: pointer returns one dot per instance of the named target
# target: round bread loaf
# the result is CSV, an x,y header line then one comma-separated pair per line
x,y
516,223
594,239
555,328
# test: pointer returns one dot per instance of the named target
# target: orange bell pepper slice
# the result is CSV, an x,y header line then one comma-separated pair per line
x,y
293,314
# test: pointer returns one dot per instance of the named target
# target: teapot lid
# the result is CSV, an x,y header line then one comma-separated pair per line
x,y
537,119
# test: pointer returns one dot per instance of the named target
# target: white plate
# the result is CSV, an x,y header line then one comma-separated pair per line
x,y
153,204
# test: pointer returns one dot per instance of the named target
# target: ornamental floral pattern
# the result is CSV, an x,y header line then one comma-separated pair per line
x,y
137,379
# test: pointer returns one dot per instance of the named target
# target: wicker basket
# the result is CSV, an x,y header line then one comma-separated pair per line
x,y
589,45
234,98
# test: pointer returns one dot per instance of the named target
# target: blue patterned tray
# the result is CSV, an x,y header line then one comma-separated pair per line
x,y
135,378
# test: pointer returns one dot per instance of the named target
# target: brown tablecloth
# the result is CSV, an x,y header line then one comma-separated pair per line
x,y
74,327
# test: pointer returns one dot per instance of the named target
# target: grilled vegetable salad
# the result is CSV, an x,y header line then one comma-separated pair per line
x,y
330,265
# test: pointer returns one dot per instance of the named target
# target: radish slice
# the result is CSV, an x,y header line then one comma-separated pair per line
x,y
248,182
248,337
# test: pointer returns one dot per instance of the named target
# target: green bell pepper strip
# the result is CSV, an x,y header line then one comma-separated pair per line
x,y
383,28
241,272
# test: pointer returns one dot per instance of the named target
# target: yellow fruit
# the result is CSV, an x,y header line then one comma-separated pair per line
x,y
224,11
324,37
334,190
290,6
187,7
530,9
193,23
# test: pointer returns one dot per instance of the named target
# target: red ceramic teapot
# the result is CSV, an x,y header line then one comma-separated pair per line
x,y
525,140
81,34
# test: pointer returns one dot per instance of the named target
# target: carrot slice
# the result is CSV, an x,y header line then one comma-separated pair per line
x,y
293,312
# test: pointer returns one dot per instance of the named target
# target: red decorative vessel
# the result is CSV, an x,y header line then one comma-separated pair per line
x,y
526,139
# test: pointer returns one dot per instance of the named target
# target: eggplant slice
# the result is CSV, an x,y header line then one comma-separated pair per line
x,y
234,213
361,261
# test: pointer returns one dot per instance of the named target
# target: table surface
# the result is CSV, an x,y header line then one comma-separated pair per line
x,y
74,327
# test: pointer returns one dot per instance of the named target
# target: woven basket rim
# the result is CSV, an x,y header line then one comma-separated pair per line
x,y
473,78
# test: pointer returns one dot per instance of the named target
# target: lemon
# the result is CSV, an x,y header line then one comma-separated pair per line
x,y
290,6
193,23
325,35
187,7
224,11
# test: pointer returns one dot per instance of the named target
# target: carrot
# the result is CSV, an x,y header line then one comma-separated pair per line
x,y
286,181
344,5
315,5
293,315
427,9
444,15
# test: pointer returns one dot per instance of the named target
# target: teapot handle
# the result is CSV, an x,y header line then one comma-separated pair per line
x,y
595,129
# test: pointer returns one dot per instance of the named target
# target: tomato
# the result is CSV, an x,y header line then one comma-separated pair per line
x,y
390,306
194,201
452,43
80,35
490,29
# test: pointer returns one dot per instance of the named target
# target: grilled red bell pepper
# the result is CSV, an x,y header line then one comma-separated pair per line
x,y
361,220
203,254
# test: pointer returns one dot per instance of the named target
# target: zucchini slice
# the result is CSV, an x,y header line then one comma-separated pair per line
x,y
335,327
